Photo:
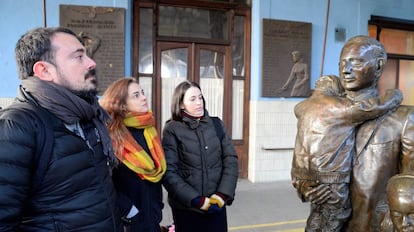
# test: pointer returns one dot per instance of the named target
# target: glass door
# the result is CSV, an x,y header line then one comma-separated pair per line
x,y
207,65
174,64
204,64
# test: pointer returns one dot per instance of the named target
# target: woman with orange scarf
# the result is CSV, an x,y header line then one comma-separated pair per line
x,y
138,148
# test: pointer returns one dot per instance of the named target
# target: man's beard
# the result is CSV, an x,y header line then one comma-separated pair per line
x,y
88,95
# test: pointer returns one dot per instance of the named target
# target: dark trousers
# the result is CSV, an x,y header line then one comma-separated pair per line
x,y
191,221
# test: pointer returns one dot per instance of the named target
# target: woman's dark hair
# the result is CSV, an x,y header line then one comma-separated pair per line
x,y
178,96
35,45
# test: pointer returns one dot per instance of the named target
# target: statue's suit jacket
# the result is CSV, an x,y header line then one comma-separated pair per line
x,y
384,147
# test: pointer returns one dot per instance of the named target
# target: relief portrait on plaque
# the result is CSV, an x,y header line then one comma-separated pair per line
x,y
90,41
286,58
298,82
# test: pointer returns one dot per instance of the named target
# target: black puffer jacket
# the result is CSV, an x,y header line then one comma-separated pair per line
x,y
197,163
76,193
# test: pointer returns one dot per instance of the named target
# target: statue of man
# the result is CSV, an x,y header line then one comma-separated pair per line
x,y
384,146
325,147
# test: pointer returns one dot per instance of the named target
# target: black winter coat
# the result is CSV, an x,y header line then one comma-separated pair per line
x,y
198,163
146,196
76,193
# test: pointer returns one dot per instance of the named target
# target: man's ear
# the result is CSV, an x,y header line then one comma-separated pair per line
x,y
380,64
41,70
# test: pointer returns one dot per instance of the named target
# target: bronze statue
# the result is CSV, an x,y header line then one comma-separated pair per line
x,y
325,147
400,192
384,146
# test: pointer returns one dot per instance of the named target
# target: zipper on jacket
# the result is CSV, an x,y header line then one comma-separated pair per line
x,y
203,148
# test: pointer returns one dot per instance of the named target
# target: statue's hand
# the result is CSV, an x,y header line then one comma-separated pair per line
x,y
302,186
336,196
319,194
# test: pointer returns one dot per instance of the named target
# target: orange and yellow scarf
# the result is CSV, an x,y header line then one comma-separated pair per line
x,y
135,157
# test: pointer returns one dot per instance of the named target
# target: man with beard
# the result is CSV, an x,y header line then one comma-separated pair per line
x,y
75,191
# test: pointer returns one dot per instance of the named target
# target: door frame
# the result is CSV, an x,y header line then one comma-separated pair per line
x,y
233,9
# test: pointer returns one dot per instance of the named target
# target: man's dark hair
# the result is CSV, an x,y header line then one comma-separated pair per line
x,y
35,45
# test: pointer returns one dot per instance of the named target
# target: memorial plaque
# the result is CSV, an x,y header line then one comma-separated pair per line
x,y
103,32
282,41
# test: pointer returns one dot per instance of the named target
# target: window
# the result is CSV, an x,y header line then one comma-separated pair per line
x,y
397,36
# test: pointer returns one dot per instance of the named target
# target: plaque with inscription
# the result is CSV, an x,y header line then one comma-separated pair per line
x,y
286,58
102,30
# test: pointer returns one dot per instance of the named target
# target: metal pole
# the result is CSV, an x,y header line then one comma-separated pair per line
x,y
44,13
324,36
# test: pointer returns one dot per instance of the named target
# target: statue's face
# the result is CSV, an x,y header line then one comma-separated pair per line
x,y
401,205
357,67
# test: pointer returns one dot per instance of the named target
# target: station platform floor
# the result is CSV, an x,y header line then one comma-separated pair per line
x,y
261,207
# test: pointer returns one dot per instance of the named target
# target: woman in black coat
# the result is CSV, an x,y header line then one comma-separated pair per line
x,y
202,167
138,148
